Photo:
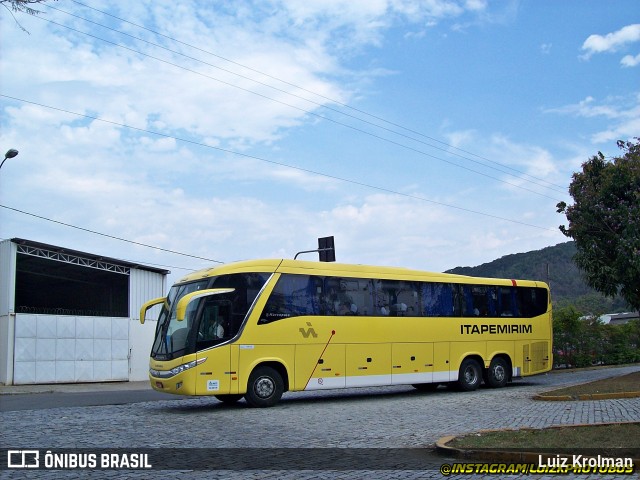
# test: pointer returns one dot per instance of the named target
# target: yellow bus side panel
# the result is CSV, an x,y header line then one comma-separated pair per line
x,y
411,363
441,362
536,357
499,347
251,355
461,350
234,367
319,366
368,364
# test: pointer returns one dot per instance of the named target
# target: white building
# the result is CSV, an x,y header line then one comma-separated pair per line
x,y
68,316
619,318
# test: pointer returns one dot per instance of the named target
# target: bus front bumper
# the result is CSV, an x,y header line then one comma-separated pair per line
x,y
179,380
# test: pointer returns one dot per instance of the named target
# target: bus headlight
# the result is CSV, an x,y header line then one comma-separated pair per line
x,y
176,370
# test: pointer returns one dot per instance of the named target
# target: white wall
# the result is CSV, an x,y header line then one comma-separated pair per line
x,y
144,286
140,341
7,307
68,349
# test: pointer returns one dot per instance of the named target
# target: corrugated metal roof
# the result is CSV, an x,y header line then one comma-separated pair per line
x,y
92,256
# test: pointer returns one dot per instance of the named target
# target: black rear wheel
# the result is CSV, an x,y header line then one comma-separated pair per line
x,y
470,375
498,373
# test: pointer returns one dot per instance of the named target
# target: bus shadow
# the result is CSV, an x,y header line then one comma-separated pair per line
x,y
207,403
382,393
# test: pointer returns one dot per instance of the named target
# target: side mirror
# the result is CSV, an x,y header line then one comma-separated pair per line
x,y
146,306
181,308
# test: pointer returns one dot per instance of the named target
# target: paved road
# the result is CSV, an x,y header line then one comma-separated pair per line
x,y
390,417
41,401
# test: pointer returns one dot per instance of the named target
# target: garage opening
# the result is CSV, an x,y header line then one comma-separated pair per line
x,y
58,283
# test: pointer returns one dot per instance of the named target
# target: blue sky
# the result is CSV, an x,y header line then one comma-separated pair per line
x,y
424,134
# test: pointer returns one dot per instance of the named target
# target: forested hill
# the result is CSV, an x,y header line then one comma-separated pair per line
x,y
555,266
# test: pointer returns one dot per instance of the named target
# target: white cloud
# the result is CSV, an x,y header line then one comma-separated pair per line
x,y
611,42
476,4
630,61
623,115
626,129
515,164
587,108
122,86
533,159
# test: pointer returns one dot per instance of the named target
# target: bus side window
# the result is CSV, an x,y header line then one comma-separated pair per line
x,y
293,296
533,301
480,300
385,296
492,301
216,322
348,296
331,296
507,305
458,300
468,308
437,300
212,325
397,298
408,304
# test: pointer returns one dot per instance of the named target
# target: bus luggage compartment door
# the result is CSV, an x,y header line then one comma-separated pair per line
x,y
320,366
411,363
368,364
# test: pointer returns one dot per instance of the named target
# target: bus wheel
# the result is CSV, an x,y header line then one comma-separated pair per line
x,y
497,375
229,399
470,375
265,387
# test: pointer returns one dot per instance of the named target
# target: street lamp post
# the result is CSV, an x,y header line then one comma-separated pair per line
x,y
12,152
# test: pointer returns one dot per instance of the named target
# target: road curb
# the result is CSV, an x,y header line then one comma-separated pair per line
x,y
502,455
586,396
74,387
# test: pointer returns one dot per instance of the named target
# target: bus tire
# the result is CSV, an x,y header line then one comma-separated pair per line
x,y
229,399
497,375
265,387
470,375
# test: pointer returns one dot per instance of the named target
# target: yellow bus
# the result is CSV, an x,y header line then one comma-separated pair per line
x,y
256,329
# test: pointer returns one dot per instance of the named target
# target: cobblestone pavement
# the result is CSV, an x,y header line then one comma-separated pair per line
x,y
387,417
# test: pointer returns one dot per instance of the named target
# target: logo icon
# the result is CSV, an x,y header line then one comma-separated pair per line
x,y
23,459
309,331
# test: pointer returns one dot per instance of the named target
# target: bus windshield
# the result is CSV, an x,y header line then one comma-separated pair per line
x,y
208,321
171,335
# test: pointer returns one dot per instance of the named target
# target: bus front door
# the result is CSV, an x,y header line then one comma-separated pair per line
x,y
213,376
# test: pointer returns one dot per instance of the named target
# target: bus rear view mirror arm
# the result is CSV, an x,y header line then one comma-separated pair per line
x,y
181,308
146,306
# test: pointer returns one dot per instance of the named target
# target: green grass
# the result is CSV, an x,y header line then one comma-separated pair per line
x,y
625,383
606,438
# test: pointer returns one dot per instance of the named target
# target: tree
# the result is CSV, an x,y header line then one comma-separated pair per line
x,y
21,6
567,330
604,222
